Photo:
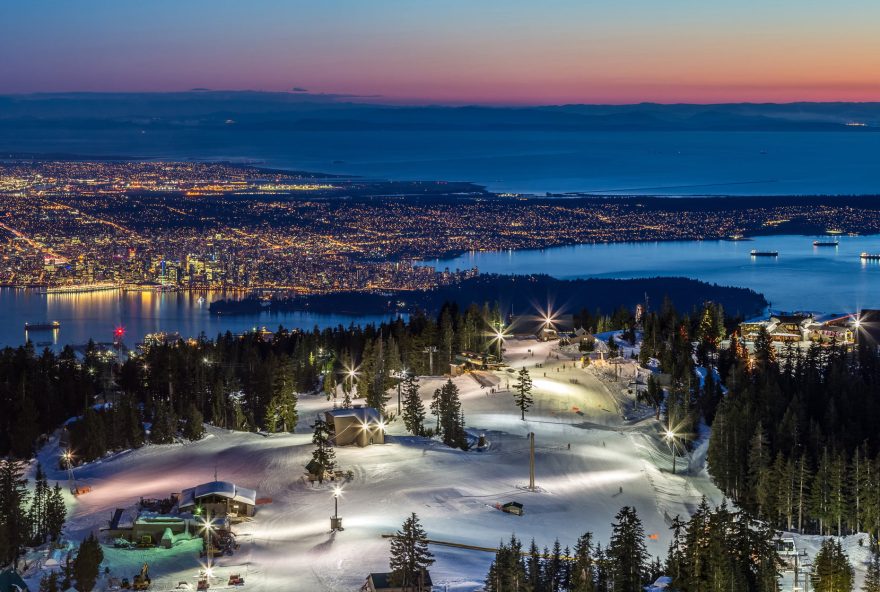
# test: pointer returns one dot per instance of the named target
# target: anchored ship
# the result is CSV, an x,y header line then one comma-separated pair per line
x,y
52,326
757,253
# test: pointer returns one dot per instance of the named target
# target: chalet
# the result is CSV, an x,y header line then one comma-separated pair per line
x,y
220,499
359,425
383,582
801,328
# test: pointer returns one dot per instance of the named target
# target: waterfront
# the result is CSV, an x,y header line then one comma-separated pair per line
x,y
802,277
95,315
831,279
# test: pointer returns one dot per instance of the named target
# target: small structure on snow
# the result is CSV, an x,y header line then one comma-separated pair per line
x,y
359,425
384,582
220,498
514,508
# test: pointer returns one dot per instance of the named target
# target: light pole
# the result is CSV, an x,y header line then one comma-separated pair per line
x,y
336,521
352,372
430,350
209,545
400,375
670,439
68,459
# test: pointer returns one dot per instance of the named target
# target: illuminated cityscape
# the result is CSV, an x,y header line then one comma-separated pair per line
x,y
75,225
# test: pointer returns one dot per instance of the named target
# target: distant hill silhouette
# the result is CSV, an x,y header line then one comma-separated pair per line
x,y
521,294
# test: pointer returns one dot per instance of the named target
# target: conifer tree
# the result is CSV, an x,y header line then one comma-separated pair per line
x,y
87,564
507,571
14,531
583,569
194,428
627,552
164,428
832,571
323,455
281,414
410,556
39,506
413,407
535,567
56,513
872,575
522,392
450,419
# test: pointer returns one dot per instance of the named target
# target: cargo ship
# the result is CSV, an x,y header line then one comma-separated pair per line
x,y
820,243
53,326
870,256
757,253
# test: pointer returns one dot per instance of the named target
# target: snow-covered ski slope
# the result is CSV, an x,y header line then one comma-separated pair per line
x,y
288,546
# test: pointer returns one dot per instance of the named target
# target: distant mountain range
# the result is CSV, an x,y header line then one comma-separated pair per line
x,y
251,110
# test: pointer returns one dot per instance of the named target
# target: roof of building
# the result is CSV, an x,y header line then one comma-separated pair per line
x,y
364,414
225,489
10,580
382,581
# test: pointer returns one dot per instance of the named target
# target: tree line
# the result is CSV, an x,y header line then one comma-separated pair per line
x,y
795,439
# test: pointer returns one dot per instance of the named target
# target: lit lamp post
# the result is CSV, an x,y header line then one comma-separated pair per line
x,y
499,337
336,520
670,439
209,546
351,373
68,460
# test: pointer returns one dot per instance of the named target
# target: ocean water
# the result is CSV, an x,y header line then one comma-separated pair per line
x,y
661,163
96,315
802,277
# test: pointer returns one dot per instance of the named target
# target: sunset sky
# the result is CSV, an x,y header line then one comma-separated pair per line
x,y
451,51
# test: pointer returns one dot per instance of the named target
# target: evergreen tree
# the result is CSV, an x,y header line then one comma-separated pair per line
x,y
410,556
508,571
323,455
832,571
164,428
523,392
87,565
627,551
872,575
39,506
583,569
413,407
281,414
56,513
194,428
450,420
14,531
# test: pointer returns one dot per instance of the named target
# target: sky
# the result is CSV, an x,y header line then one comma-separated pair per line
x,y
451,51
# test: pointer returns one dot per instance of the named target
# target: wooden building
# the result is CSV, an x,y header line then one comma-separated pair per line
x,y
383,582
220,499
359,425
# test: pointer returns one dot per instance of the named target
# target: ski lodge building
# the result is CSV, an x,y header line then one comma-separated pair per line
x,y
221,499
359,425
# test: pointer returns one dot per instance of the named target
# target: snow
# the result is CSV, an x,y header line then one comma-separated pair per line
x,y
588,466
